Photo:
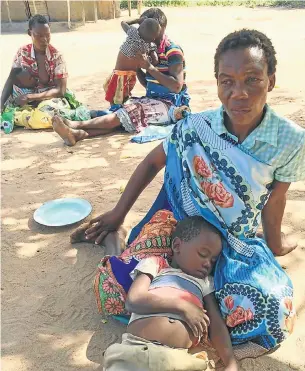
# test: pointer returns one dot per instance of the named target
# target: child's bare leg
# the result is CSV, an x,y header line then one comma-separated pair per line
x,y
79,234
114,244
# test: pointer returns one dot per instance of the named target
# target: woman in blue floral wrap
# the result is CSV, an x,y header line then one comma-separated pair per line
x,y
233,166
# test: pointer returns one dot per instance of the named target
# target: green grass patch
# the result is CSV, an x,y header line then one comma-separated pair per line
x,y
247,3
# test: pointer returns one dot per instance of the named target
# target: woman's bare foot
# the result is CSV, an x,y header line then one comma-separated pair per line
x,y
70,136
71,124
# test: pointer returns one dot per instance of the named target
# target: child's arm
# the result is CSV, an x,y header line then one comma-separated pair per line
x,y
125,26
154,58
219,334
142,301
136,21
141,77
57,92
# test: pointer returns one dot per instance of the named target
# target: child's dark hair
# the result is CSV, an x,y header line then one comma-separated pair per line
x,y
190,227
243,39
149,27
15,72
37,19
156,14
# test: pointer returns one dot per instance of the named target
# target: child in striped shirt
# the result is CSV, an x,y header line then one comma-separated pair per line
x,y
166,302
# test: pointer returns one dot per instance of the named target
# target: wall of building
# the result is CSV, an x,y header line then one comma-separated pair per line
x,y
106,9
17,11
58,10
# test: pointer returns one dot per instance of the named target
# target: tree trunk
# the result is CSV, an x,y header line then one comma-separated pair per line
x,y
83,13
129,8
34,6
95,11
8,11
113,9
69,14
139,7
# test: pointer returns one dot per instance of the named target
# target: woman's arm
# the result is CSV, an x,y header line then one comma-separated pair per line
x,y
141,77
272,216
6,92
219,334
57,92
174,82
142,176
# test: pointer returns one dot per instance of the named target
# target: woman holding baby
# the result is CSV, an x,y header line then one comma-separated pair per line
x,y
37,84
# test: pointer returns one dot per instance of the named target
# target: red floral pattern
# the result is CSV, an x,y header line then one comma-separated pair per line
x,y
201,167
229,302
110,295
218,194
114,306
238,315
109,286
55,65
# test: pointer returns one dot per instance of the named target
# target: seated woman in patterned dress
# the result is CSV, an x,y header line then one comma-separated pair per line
x,y
47,67
165,87
233,166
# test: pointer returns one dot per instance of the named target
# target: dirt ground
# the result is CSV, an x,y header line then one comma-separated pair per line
x,y
49,316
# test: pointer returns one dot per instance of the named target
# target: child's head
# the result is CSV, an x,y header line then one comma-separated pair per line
x,y
149,29
196,246
22,78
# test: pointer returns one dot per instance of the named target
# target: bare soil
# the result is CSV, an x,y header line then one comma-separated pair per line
x,y
49,316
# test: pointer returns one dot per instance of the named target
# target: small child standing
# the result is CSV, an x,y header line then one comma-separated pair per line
x,y
120,83
166,302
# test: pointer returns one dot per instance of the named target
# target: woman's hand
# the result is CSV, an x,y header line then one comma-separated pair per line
x,y
287,244
22,100
196,318
104,224
143,61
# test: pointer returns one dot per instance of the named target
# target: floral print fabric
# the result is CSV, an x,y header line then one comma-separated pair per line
x,y
214,177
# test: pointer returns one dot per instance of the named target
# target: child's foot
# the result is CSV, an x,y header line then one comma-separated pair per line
x,y
70,136
79,234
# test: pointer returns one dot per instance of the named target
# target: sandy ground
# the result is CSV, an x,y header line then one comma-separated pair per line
x,y
49,315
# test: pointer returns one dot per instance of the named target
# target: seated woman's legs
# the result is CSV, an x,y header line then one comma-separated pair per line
x,y
74,131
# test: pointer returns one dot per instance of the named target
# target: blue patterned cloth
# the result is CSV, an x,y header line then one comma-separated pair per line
x,y
212,175
152,133
277,142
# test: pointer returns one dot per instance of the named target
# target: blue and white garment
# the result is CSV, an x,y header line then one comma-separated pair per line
x,y
214,176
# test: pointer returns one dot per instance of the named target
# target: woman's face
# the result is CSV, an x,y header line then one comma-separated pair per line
x,y
160,36
243,83
41,36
